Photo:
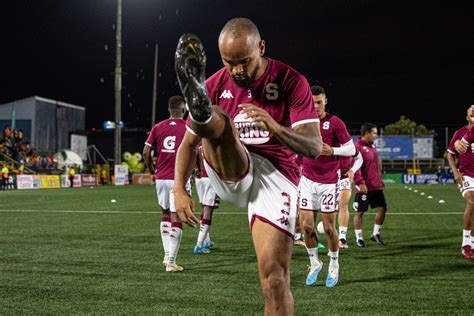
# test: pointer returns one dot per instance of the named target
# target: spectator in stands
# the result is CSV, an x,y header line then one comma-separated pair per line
x,y
103,175
21,169
72,174
5,177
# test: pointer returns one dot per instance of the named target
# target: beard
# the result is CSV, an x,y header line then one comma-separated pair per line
x,y
246,81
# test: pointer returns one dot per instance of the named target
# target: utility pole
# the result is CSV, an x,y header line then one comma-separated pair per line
x,y
155,83
118,84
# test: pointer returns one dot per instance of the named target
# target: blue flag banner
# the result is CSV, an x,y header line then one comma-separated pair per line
x,y
404,147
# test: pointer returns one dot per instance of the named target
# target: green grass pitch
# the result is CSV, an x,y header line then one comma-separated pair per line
x,y
72,251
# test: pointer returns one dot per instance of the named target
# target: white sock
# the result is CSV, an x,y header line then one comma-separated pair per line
x,y
466,237
377,229
313,256
203,229
342,232
165,229
175,242
334,259
358,233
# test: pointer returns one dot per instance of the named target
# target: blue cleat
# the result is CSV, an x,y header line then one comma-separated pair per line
x,y
200,251
313,274
209,244
333,277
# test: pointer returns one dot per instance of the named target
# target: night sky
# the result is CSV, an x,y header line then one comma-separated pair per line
x,y
377,59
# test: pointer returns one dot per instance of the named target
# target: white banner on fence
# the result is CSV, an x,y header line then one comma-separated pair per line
x,y
24,182
121,174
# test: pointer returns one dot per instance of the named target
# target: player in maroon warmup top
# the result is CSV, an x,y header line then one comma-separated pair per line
x,y
318,190
371,192
263,116
463,171
164,140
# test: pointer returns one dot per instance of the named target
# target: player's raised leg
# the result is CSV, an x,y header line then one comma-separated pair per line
x,y
221,145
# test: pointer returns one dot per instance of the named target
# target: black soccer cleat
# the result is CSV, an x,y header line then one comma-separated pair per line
x,y
190,67
377,239
360,243
343,243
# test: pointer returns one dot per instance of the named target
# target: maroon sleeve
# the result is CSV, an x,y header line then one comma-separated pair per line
x,y
342,134
300,100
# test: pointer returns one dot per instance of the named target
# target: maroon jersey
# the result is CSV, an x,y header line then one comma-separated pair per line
x,y
325,169
466,160
284,93
370,169
165,137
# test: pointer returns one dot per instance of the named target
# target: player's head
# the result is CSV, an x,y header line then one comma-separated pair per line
x,y
177,106
470,115
242,50
319,99
368,131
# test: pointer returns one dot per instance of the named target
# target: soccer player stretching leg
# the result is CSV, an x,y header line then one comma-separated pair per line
x,y
263,117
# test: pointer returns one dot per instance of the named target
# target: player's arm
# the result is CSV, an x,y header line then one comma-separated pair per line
x,y
358,161
304,139
360,182
348,149
186,158
148,158
452,164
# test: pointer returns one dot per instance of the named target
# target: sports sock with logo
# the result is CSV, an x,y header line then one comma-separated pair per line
x,y
342,232
175,241
165,229
313,256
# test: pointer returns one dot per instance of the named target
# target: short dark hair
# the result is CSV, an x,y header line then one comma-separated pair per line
x,y
176,102
317,90
237,27
367,128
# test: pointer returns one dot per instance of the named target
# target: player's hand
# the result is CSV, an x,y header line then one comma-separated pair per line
x,y
458,177
184,207
260,117
327,150
363,189
350,175
461,146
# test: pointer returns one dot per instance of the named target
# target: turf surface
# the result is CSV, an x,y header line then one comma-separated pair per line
x,y
72,251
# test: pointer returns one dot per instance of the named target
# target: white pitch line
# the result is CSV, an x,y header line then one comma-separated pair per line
x,y
215,213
